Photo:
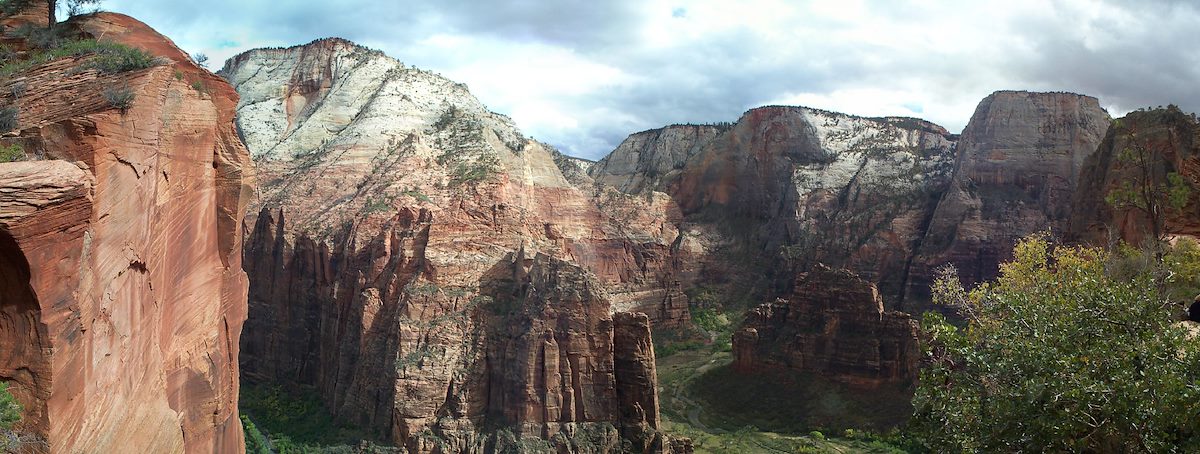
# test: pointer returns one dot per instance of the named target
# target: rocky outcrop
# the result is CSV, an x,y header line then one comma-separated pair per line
x,y
1141,151
833,325
122,294
648,159
391,204
1018,166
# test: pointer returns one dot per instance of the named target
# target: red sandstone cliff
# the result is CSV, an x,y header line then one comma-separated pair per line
x,y
834,325
1169,142
122,295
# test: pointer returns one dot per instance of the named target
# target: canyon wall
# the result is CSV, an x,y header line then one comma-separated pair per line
x,y
1152,149
122,294
391,204
785,188
890,198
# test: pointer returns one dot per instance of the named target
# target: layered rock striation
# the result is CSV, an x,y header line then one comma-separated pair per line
x,y
833,325
122,294
392,202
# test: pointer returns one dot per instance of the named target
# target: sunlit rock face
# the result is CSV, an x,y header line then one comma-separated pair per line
x,y
890,198
122,294
391,202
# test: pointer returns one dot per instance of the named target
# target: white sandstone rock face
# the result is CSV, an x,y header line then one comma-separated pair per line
x,y
646,159
395,207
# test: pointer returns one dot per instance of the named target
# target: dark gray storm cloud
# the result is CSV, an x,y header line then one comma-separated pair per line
x,y
584,74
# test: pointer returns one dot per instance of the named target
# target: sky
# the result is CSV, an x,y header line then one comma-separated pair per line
x,y
583,74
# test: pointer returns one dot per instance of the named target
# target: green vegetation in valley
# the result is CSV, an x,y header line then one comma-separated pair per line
x,y
1071,349
294,423
725,413
10,409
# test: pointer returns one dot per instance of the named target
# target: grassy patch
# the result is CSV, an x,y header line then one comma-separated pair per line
x,y
109,57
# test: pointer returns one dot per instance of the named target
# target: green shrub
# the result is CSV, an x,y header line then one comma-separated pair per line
x,y
10,409
816,434
117,58
480,170
12,153
256,443
1059,355
9,118
119,97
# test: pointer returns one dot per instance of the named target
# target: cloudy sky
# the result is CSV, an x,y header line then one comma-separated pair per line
x,y
583,74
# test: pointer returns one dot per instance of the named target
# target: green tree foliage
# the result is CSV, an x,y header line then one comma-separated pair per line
x,y
1150,186
10,409
1059,355
11,153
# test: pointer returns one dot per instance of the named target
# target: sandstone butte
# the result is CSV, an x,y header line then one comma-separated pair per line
x,y
834,325
122,295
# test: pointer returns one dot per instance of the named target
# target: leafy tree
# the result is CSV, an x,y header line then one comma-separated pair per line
x,y
1058,355
1150,187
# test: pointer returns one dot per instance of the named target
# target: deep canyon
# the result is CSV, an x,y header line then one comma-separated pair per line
x,y
324,218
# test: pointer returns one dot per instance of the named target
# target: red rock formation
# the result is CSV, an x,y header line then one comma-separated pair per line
x,y
833,325
123,295
1170,141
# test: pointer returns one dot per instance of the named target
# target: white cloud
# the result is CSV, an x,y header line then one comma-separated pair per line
x,y
582,74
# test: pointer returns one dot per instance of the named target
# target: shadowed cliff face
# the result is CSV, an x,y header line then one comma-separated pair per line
x,y
833,325
1169,140
793,187
122,293
392,200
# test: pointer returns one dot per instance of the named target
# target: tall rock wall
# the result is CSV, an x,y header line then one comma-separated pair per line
x,y
122,295
1018,166
391,201
890,198
785,188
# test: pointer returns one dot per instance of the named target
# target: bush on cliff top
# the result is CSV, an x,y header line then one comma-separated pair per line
x,y
1060,354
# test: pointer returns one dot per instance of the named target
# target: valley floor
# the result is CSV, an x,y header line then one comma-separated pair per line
x,y
722,413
